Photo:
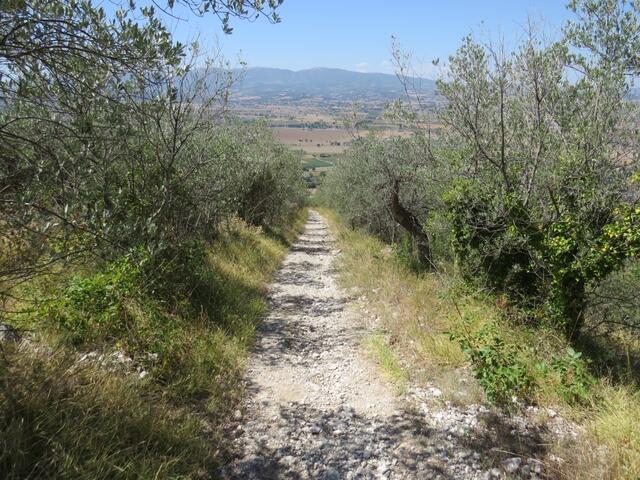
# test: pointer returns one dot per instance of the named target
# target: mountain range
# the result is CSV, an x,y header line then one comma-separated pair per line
x,y
324,82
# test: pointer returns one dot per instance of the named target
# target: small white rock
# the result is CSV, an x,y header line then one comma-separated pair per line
x,y
511,465
434,392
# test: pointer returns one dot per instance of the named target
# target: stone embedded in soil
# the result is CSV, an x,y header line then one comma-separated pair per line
x,y
9,334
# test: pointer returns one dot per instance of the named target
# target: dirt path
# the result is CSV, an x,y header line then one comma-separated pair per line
x,y
317,406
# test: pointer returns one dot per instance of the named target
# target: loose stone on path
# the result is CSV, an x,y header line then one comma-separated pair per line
x,y
317,407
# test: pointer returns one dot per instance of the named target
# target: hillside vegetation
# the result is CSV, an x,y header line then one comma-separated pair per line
x,y
514,233
118,381
422,315
140,226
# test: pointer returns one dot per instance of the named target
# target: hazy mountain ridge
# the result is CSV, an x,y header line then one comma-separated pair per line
x,y
326,82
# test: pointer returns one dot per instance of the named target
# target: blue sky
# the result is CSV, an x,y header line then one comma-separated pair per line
x,y
356,34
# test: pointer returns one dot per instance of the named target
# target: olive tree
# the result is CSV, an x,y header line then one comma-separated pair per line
x,y
544,205
536,168
391,187
107,134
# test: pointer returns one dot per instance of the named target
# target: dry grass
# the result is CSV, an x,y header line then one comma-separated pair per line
x,y
418,310
61,419
314,140
279,113
415,311
387,359
323,140
610,447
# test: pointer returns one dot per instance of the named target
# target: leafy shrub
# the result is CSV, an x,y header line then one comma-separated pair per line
x,y
93,308
497,365
404,252
614,302
130,302
174,272
575,379
492,239
545,266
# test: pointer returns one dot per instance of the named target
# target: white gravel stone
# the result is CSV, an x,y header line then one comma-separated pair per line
x,y
511,465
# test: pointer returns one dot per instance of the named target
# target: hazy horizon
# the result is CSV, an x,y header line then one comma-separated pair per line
x,y
321,67
357,37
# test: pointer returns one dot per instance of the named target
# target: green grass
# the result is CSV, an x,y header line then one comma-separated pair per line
x,y
388,360
317,163
61,419
420,310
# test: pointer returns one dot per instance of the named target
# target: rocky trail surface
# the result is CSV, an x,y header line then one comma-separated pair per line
x,y
317,407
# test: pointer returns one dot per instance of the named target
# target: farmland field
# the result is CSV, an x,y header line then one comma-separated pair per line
x,y
314,140
318,163
325,140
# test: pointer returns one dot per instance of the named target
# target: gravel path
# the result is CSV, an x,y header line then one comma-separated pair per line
x,y
317,407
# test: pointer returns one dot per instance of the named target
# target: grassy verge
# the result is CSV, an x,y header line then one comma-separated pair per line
x,y
58,421
159,414
379,346
421,311
414,309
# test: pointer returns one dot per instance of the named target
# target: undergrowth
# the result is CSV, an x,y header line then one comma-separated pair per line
x,y
189,332
449,333
59,420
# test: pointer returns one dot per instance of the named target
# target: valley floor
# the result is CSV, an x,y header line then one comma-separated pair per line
x,y
318,407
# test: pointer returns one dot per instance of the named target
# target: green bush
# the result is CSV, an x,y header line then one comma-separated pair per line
x,y
497,364
92,308
575,379
545,266
403,250
505,369
492,240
